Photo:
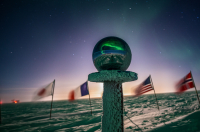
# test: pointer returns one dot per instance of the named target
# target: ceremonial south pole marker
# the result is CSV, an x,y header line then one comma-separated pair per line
x,y
111,57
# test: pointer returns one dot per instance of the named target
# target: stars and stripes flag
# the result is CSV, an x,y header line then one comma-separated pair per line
x,y
185,83
144,87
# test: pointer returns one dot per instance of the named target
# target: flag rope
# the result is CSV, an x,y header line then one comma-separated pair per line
x,y
132,121
154,93
195,87
52,97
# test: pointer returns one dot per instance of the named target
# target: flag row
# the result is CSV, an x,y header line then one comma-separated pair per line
x,y
187,82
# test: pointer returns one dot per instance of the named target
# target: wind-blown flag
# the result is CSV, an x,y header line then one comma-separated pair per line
x,y
144,87
185,83
82,90
44,92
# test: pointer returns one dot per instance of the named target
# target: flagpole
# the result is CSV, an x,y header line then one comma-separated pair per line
x,y
89,97
195,87
154,93
52,97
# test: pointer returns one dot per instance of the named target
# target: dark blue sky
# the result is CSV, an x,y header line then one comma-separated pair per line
x,y
43,40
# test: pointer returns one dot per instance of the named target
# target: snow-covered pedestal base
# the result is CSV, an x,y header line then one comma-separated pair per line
x,y
112,120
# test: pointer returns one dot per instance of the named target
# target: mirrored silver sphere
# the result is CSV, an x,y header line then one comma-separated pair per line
x,y
111,53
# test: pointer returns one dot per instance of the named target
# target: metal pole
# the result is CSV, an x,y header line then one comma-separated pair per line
x,y
195,88
52,97
89,97
154,93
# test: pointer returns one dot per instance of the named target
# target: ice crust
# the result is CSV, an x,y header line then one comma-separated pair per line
x,y
112,75
112,119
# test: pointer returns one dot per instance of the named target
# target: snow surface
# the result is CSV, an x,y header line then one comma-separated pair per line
x,y
177,114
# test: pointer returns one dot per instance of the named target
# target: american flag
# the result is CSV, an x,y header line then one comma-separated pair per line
x,y
185,83
144,87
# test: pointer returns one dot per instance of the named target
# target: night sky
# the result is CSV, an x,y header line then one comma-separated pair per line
x,y
43,40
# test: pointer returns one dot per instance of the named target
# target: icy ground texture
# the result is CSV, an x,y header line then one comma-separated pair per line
x,y
174,109
112,119
177,114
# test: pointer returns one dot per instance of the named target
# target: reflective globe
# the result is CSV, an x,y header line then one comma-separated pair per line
x,y
111,53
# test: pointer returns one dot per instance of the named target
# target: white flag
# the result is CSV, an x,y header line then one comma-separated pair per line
x,y
44,92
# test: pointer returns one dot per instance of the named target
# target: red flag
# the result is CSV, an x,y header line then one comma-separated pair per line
x,y
185,83
71,96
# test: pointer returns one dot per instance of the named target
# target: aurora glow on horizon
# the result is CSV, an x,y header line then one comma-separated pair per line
x,y
46,40
112,46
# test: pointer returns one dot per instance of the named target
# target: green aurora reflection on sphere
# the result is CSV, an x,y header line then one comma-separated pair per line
x,y
111,53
